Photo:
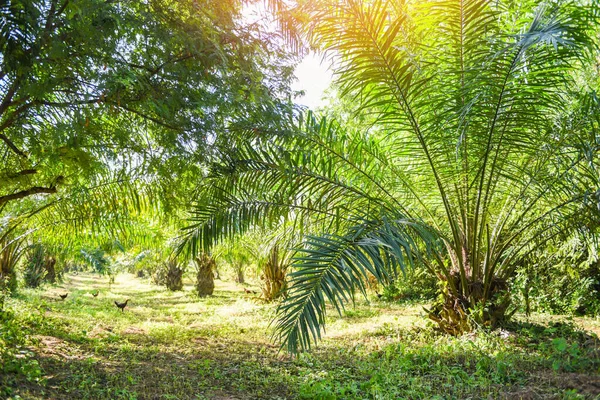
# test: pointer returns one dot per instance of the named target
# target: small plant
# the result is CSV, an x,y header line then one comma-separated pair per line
x,y
15,357
274,275
205,281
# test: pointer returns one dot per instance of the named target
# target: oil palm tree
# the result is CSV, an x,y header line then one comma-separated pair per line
x,y
471,161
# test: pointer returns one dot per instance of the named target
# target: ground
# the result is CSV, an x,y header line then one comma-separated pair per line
x,y
169,345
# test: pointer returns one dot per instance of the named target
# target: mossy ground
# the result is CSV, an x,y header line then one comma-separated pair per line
x,y
174,345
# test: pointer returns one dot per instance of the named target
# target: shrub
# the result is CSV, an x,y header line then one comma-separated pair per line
x,y
415,285
555,290
563,277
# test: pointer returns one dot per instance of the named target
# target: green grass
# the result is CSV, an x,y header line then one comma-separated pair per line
x,y
177,346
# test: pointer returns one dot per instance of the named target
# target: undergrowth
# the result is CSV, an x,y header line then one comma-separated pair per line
x,y
178,346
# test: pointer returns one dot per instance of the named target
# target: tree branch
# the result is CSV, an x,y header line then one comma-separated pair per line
x,y
26,193
155,70
148,117
22,173
62,8
12,146
8,122
69,103
6,102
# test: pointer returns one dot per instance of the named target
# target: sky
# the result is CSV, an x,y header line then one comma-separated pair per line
x,y
314,78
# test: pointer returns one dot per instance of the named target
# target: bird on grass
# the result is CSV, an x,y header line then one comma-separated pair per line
x,y
379,295
95,294
247,291
121,305
63,296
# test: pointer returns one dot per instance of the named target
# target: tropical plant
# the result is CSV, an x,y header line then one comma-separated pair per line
x,y
274,274
97,259
35,266
90,132
237,254
50,267
205,279
170,273
11,250
472,160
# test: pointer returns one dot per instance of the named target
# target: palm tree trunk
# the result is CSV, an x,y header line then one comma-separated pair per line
x,y
460,311
205,283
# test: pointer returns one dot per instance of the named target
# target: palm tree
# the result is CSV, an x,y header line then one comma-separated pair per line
x,y
470,164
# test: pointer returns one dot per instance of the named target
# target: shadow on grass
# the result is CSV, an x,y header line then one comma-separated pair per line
x,y
535,332
173,345
131,367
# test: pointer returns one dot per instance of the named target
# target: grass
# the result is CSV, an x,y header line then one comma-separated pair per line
x,y
176,346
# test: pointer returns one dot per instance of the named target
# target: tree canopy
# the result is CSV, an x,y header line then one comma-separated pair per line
x,y
101,101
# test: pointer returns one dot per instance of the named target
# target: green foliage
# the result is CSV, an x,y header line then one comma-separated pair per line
x,y
16,358
237,253
108,110
216,346
481,148
35,266
98,260
562,277
11,250
415,285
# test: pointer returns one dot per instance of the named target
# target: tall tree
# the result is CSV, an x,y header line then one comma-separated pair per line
x,y
471,163
96,91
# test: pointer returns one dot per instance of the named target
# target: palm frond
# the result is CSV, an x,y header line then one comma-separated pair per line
x,y
332,268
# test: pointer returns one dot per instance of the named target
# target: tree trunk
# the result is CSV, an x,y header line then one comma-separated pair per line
x,y
472,306
174,278
239,270
274,276
205,283
49,264
9,257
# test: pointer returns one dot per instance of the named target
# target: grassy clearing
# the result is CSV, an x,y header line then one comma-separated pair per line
x,y
177,346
